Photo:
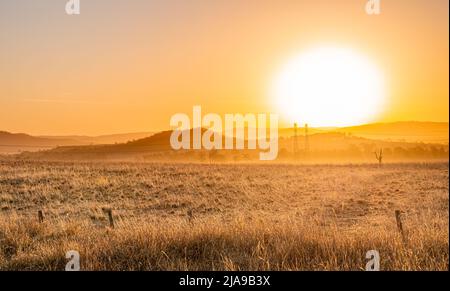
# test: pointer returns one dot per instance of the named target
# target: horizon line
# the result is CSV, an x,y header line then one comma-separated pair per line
x,y
154,131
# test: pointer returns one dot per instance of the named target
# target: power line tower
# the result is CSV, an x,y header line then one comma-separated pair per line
x,y
295,139
306,139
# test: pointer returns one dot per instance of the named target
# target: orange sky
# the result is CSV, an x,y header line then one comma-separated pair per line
x,y
124,66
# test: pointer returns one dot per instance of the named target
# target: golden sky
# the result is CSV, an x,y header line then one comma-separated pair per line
x,y
126,66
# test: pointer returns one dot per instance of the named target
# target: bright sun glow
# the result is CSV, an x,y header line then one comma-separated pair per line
x,y
329,87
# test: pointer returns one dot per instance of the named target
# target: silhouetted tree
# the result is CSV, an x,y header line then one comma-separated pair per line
x,y
379,156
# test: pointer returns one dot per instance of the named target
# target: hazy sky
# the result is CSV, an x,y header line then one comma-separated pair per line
x,y
128,65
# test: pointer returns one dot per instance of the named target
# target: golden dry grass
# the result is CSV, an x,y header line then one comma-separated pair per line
x,y
244,216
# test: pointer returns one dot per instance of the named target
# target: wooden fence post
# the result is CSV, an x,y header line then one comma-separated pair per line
x,y
40,216
190,214
398,218
108,211
110,217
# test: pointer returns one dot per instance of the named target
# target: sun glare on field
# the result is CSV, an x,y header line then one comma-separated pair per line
x,y
329,87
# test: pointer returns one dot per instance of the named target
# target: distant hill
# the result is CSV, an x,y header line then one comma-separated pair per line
x,y
323,147
15,142
102,139
159,142
427,132
289,132
18,142
401,139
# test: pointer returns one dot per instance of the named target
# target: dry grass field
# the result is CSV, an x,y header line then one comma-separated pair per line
x,y
223,216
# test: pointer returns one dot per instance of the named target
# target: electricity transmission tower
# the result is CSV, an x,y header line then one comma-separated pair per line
x,y
295,139
306,139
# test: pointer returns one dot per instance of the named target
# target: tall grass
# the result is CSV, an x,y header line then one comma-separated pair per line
x,y
216,245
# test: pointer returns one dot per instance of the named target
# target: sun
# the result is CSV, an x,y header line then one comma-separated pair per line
x,y
329,86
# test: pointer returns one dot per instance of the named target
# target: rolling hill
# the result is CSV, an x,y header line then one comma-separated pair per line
x,y
338,144
427,132
18,142
102,139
